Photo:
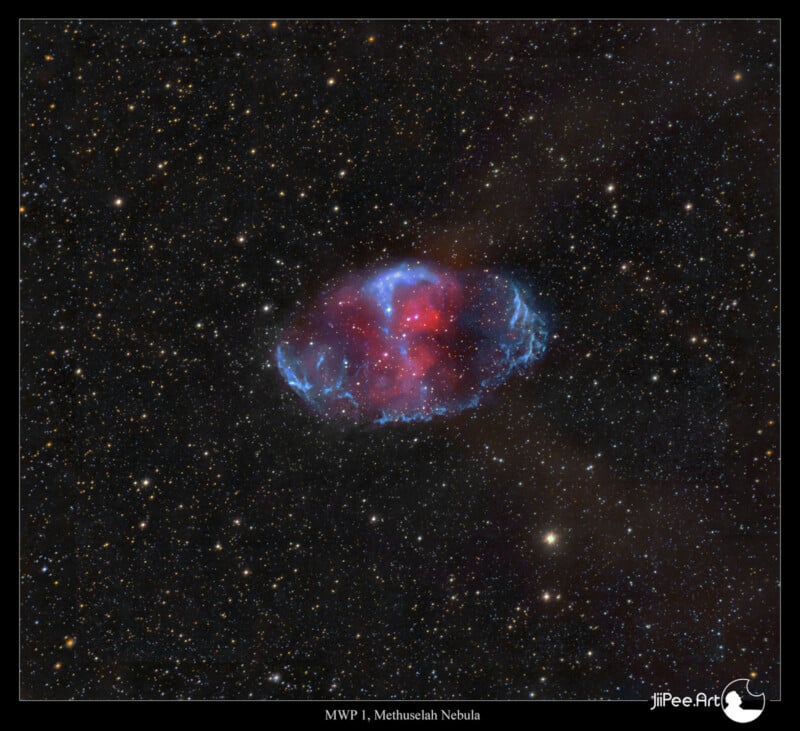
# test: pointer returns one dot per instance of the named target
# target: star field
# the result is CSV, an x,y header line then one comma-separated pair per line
x,y
604,525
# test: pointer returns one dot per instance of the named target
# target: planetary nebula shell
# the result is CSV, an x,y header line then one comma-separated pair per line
x,y
409,341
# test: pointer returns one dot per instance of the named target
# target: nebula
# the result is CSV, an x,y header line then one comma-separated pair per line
x,y
409,341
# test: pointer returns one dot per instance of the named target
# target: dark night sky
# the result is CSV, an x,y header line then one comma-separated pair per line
x,y
190,529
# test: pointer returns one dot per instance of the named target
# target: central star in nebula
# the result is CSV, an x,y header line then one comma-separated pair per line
x,y
410,341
